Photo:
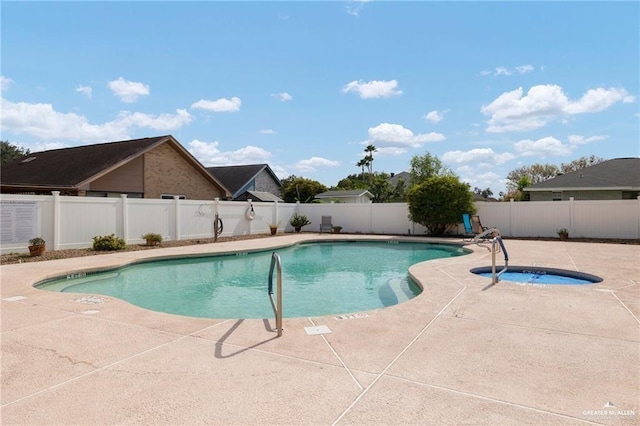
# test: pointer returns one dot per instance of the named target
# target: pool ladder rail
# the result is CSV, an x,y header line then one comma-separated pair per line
x,y
277,305
495,277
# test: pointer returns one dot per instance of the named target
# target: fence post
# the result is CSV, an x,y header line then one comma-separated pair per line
x,y
56,220
176,199
275,213
571,216
511,201
215,213
638,216
125,218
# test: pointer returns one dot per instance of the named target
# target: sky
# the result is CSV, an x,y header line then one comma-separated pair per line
x,y
487,87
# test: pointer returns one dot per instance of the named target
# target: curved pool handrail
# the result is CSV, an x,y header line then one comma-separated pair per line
x,y
495,277
277,306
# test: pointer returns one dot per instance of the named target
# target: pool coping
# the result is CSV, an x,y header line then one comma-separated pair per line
x,y
451,355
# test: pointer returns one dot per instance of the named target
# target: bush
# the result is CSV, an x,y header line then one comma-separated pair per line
x,y
108,243
152,239
439,202
299,220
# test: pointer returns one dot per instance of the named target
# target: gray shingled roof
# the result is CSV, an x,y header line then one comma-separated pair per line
x,y
616,174
68,167
237,177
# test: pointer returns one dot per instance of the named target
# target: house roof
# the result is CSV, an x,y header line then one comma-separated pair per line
x,y
616,174
261,196
393,180
235,178
78,166
345,193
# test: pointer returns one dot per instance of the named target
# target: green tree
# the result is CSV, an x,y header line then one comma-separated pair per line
x,y
381,188
351,182
536,173
300,189
10,152
438,203
422,167
484,193
368,159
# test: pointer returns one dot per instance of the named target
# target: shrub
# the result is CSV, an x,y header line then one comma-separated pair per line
x,y
108,243
439,202
152,239
299,220
37,241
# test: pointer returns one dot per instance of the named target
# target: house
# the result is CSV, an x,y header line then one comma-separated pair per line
x,y
345,196
616,179
259,179
157,167
395,178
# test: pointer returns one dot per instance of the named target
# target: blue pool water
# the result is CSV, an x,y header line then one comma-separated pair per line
x,y
540,275
317,279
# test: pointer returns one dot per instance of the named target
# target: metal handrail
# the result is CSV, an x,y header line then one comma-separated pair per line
x,y
277,306
495,277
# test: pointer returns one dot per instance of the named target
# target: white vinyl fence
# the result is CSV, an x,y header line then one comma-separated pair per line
x,y
72,222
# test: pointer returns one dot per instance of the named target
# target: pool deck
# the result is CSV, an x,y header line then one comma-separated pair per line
x,y
460,353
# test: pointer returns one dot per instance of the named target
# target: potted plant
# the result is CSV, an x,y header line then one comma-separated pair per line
x,y
563,233
152,239
37,246
274,228
298,221
337,229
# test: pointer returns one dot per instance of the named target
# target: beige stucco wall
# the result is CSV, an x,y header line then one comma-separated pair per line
x,y
167,172
127,178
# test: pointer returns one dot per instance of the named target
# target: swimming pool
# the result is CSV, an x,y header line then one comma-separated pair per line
x,y
318,279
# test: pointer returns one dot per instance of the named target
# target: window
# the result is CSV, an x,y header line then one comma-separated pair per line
x,y
556,196
170,196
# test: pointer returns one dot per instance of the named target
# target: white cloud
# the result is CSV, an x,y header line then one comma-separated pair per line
x,y
435,116
354,7
478,156
85,90
43,122
373,89
209,154
267,132
284,96
498,71
542,148
389,151
161,122
5,83
502,71
523,69
395,135
220,105
513,111
128,91
312,163
581,140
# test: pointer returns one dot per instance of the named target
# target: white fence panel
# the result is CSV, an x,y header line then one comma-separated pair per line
x,y
85,218
145,216
602,219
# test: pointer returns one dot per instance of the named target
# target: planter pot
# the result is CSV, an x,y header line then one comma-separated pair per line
x,y
563,237
37,250
337,229
274,230
297,228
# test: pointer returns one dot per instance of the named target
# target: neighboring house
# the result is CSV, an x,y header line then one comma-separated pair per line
x,y
396,177
617,179
258,178
348,196
258,196
157,167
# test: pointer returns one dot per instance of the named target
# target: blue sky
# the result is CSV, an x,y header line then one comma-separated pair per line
x,y
305,86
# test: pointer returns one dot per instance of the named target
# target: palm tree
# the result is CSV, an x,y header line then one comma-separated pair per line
x,y
370,149
361,164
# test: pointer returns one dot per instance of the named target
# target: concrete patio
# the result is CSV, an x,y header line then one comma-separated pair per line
x,y
459,353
